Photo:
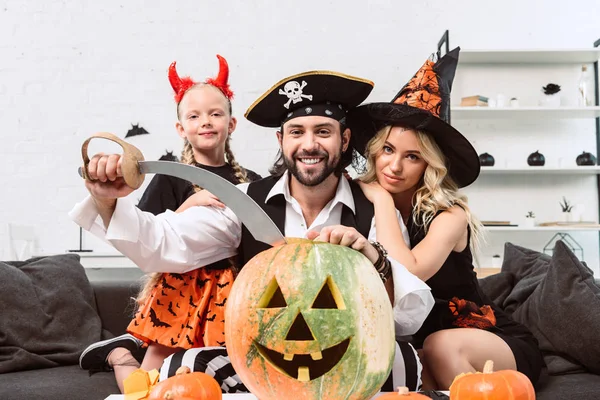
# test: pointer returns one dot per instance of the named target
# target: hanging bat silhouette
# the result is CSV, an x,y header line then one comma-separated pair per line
x,y
141,316
212,318
177,276
181,294
187,326
170,309
222,285
136,323
157,322
163,293
136,130
189,315
221,304
202,282
173,343
191,302
177,305
159,303
166,285
168,156
198,315
185,284
189,340
220,343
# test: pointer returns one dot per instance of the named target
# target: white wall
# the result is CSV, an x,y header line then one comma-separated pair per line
x,y
72,68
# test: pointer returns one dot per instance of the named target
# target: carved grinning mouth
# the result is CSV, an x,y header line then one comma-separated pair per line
x,y
305,367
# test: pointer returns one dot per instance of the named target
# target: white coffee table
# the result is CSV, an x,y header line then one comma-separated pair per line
x,y
240,396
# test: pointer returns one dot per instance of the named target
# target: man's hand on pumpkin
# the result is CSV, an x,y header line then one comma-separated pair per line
x,y
345,236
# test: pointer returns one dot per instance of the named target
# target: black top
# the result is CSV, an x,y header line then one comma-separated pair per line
x,y
168,193
457,278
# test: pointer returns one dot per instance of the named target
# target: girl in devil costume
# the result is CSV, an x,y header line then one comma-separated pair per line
x,y
181,311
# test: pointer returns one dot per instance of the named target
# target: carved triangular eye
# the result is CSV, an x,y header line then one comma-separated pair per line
x,y
329,296
272,298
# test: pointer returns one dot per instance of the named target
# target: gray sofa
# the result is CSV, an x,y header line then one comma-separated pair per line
x,y
526,277
109,298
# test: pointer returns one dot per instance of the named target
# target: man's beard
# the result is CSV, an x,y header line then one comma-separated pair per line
x,y
317,177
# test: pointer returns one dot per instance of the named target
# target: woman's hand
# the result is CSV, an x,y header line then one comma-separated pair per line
x,y
201,198
374,192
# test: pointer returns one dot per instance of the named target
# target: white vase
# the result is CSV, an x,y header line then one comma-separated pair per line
x,y
550,100
529,222
567,216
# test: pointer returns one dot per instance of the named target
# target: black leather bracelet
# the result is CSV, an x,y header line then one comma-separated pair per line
x,y
382,255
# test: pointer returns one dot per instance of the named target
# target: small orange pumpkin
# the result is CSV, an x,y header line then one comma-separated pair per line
x,y
186,385
490,385
403,394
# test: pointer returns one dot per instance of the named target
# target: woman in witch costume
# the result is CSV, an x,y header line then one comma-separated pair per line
x,y
416,164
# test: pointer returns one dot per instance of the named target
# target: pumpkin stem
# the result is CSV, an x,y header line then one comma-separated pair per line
x,y
488,367
402,390
183,370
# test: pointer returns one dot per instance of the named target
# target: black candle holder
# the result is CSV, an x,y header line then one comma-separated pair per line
x,y
80,249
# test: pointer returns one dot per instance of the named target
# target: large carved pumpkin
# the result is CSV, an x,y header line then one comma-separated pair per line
x,y
490,385
310,320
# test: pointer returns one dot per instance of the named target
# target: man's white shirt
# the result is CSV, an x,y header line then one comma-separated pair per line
x,y
181,242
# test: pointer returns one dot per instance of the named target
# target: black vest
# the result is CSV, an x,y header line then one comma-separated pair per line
x,y
275,209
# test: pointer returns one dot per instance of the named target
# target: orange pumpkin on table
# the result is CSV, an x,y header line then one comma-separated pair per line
x,y
489,385
186,385
403,394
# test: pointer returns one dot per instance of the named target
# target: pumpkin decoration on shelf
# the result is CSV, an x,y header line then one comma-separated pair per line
x,y
490,385
585,158
310,320
186,385
486,160
403,393
536,159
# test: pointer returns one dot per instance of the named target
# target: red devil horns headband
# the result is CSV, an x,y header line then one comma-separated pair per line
x,y
181,85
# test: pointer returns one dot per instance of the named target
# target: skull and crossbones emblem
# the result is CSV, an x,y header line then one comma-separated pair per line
x,y
293,90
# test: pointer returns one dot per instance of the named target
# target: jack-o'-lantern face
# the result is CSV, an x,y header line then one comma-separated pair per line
x,y
310,319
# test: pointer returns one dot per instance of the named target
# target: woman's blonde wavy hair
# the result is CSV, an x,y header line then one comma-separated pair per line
x,y
187,157
437,191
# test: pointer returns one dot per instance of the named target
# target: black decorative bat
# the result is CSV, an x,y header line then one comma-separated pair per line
x,y
220,343
221,304
163,293
168,156
181,294
222,285
136,130
189,340
177,276
185,284
158,302
177,305
189,327
157,322
202,282
191,302
136,323
173,343
166,285
170,309
212,318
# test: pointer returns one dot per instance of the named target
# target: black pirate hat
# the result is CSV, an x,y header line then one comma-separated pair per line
x,y
422,104
325,93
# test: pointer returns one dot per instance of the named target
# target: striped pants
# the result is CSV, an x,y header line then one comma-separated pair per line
x,y
214,361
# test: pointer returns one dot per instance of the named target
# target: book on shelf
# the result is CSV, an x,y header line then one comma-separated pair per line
x,y
474,101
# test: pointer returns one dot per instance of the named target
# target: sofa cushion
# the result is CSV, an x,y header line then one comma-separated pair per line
x,y
60,383
563,312
48,313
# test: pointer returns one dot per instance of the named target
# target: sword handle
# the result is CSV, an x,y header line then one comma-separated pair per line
x,y
129,166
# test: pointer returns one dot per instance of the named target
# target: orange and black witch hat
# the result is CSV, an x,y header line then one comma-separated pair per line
x,y
422,104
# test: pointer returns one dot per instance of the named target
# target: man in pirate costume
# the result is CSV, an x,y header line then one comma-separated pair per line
x,y
308,196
